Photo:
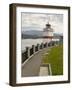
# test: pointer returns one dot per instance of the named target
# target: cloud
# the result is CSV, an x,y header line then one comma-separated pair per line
x,y
38,21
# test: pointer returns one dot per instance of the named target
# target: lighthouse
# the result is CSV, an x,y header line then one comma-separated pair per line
x,y
47,33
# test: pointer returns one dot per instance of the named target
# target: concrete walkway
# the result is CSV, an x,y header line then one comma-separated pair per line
x,y
32,66
43,71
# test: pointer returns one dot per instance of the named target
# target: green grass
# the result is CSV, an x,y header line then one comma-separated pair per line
x,y
55,58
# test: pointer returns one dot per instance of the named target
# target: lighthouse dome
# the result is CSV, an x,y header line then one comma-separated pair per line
x,y
48,25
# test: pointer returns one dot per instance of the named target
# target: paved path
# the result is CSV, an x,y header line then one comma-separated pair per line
x,y
43,71
32,66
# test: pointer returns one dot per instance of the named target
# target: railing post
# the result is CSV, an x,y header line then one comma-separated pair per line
x,y
38,47
28,51
42,45
46,44
51,43
33,46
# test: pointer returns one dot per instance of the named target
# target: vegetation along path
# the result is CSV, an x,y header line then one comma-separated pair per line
x,y
55,58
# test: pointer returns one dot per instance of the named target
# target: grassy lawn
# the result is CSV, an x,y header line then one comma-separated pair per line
x,y
55,58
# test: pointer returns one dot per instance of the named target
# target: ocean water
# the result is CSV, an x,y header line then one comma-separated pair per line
x,y
29,42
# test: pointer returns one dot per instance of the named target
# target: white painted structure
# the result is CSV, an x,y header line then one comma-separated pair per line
x,y
47,33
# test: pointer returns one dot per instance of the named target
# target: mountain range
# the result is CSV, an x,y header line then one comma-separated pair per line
x,y
36,34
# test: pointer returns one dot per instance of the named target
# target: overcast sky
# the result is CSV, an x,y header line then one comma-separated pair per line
x,y
34,21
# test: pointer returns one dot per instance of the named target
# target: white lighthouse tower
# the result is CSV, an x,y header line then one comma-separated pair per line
x,y
47,33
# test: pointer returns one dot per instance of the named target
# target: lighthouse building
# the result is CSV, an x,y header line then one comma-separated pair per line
x,y
47,33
